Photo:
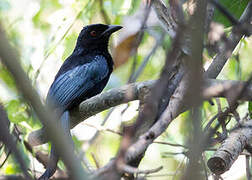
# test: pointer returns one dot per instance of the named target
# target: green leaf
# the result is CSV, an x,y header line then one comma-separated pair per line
x,y
77,143
235,7
7,78
46,7
69,45
38,20
134,6
250,108
12,168
16,111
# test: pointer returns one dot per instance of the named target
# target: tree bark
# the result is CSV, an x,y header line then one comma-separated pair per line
x,y
230,149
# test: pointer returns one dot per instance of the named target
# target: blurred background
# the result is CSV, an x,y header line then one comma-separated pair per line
x,y
44,33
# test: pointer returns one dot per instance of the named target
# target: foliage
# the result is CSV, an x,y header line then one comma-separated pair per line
x,y
44,33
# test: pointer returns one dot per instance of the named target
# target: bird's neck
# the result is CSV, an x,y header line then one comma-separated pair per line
x,y
79,50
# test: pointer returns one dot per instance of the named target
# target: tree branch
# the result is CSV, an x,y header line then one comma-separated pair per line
x,y
165,17
175,107
99,103
230,149
137,91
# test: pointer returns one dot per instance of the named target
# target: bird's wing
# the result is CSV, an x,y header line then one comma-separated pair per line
x,y
77,81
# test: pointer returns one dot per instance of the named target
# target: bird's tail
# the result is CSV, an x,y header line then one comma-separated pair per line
x,y
54,158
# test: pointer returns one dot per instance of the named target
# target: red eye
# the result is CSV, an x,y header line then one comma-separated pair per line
x,y
93,33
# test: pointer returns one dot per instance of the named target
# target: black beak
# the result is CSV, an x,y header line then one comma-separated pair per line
x,y
111,29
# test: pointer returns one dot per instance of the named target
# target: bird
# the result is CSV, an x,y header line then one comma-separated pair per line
x,y
83,75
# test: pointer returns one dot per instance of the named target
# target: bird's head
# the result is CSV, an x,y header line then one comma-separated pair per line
x,y
96,36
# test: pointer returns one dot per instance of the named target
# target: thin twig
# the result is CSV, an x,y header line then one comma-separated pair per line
x,y
95,160
171,144
102,128
178,168
160,175
137,73
139,38
104,13
133,170
103,123
6,158
228,153
210,123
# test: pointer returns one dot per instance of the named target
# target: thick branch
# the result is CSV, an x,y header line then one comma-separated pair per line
x,y
99,103
175,107
230,149
165,17
113,97
137,91
226,88
194,64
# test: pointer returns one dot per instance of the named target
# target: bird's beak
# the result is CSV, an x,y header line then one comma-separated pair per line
x,y
111,29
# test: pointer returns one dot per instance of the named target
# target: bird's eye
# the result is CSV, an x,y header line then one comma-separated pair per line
x,y
93,33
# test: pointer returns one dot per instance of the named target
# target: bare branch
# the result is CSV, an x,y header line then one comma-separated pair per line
x,y
173,109
165,17
99,103
132,170
102,128
171,144
95,160
137,91
230,149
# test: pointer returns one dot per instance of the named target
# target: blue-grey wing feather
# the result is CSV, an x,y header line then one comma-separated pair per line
x,y
76,82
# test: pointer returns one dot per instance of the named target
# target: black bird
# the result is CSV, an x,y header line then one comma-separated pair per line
x,y
84,74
